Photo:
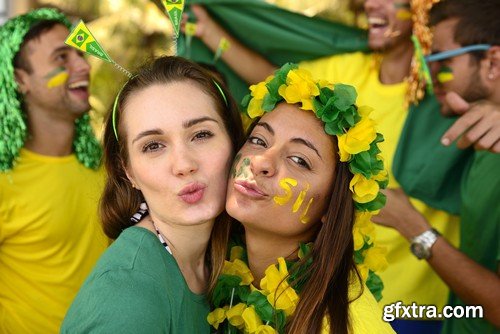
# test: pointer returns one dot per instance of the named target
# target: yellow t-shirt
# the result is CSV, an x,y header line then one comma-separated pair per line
x,y
406,279
50,239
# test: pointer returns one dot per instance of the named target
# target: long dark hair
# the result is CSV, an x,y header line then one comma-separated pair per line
x,y
120,200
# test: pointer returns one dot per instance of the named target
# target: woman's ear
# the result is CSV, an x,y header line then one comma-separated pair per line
x,y
130,176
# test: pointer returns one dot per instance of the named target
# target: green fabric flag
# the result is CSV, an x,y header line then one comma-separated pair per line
x,y
425,168
279,35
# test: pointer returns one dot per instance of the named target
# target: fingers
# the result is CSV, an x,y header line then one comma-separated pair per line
x,y
474,135
460,126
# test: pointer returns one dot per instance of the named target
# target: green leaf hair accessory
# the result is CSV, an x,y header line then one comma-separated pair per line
x,y
13,129
82,39
357,145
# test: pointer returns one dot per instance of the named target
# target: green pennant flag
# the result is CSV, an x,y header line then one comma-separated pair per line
x,y
82,39
174,10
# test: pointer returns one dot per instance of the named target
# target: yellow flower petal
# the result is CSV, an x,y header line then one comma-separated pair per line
x,y
234,315
216,317
259,90
251,319
255,108
375,258
363,190
358,138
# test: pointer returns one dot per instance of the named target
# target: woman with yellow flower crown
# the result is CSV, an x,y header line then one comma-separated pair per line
x,y
304,187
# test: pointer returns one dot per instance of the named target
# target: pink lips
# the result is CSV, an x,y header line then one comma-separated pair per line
x,y
192,193
249,189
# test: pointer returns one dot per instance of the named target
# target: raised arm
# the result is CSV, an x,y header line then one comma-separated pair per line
x,y
248,64
473,283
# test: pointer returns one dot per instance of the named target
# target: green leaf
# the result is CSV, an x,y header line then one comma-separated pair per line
x,y
269,102
246,100
346,96
262,306
376,204
375,285
333,128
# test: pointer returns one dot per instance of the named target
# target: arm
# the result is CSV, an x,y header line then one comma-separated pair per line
x,y
248,64
473,283
479,124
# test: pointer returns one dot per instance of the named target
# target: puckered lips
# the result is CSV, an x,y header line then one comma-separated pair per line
x,y
250,189
192,193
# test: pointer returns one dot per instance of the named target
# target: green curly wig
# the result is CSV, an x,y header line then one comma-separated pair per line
x,y
13,129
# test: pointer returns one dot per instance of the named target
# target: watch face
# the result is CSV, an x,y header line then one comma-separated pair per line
x,y
418,250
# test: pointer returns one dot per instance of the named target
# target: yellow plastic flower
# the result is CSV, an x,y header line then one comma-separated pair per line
x,y
265,329
279,293
357,139
251,319
258,92
364,190
234,315
255,108
363,227
381,176
216,317
300,87
236,253
375,258
240,269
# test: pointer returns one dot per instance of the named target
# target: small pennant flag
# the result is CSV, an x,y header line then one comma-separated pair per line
x,y
424,72
82,39
174,10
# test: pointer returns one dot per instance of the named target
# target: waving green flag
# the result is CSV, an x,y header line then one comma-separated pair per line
x,y
279,35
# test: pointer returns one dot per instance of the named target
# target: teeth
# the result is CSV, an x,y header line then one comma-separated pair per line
x,y
376,21
79,84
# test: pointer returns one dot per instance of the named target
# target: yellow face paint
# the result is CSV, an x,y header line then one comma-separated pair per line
x,y
303,218
57,77
403,14
445,74
285,185
300,199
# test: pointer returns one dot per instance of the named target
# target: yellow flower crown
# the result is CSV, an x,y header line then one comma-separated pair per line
x,y
357,145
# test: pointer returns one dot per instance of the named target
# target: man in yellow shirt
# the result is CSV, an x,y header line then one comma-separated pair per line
x,y
50,177
381,80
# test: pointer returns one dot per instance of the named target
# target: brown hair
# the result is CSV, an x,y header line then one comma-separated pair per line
x,y
326,290
477,21
120,200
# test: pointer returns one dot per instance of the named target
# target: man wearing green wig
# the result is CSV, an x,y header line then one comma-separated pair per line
x,y
388,81
50,180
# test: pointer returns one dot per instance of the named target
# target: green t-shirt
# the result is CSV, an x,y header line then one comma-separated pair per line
x,y
480,226
137,287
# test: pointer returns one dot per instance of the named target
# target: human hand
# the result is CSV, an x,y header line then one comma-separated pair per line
x,y
203,21
479,124
399,213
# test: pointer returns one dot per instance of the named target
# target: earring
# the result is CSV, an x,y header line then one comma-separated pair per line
x,y
491,76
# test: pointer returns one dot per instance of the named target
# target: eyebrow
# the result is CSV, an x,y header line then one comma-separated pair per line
x,y
195,121
185,125
306,143
293,140
60,49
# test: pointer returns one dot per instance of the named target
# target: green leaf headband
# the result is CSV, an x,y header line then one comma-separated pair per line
x,y
13,129
355,131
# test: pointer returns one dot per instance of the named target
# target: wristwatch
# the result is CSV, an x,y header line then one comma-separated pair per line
x,y
421,244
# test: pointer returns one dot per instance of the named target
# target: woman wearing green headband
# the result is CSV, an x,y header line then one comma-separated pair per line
x,y
169,143
304,187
